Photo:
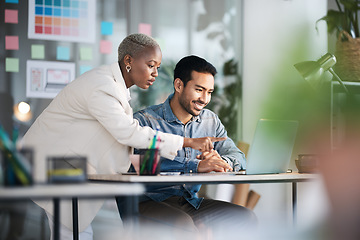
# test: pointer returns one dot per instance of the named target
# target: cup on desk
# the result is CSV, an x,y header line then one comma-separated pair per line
x,y
149,162
307,163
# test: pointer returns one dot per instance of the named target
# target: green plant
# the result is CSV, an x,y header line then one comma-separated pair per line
x,y
343,19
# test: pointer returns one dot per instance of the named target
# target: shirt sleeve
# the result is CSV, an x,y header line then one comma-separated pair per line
x,y
105,106
228,150
192,165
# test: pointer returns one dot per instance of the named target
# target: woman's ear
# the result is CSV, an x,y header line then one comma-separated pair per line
x,y
127,59
178,85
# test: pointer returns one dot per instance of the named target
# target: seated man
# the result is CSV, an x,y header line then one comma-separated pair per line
x,y
183,113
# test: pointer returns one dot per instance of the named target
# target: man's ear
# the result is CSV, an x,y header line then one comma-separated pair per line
x,y
178,85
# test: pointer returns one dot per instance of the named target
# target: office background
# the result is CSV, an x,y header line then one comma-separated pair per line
x,y
260,35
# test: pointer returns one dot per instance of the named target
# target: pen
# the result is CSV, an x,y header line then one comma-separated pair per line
x,y
146,156
156,155
152,156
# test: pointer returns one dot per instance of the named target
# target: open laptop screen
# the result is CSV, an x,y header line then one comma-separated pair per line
x,y
271,149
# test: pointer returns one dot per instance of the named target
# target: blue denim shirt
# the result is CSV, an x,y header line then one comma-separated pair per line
x,y
206,124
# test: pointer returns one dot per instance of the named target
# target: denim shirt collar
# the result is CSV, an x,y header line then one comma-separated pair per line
x,y
169,116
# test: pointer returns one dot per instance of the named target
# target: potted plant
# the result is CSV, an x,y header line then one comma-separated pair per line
x,y
344,19
345,23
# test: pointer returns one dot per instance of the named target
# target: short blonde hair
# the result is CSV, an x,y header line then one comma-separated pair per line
x,y
133,44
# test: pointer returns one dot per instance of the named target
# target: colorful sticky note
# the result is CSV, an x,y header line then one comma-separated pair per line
x,y
11,16
37,51
62,53
12,65
106,28
12,42
12,1
84,69
145,28
86,53
105,47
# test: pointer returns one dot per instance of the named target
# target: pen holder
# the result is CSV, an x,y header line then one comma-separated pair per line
x,y
17,167
149,162
67,169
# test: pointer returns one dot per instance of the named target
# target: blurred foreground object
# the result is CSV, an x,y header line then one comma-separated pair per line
x,y
340,172
339,163
17,169
67,169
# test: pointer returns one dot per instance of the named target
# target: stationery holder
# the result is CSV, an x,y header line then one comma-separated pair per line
x,y
70,169
149,161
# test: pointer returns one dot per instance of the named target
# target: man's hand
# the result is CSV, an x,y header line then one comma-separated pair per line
x,y
203,144
211,161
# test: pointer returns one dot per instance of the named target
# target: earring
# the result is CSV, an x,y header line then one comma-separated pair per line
x,y
128,68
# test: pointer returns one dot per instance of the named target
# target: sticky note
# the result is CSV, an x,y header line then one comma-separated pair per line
x,y
12,42
84,69
12,1
145,28
11,16
37,51
86,53
105,47
12,65
106,28
62,53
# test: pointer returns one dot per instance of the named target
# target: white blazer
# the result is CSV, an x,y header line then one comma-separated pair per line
x,y
91,117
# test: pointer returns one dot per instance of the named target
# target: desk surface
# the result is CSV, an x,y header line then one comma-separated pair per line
x,y
84,190
205,178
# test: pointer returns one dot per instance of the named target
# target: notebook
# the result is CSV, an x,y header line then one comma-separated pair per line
x,y
271,148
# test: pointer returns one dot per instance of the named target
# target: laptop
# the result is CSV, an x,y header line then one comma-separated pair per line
x,y
271,148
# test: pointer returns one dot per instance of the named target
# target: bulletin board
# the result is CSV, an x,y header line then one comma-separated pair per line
x,y
63,39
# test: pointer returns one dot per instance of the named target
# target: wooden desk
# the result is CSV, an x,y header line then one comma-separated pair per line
x,y
213,178
72,191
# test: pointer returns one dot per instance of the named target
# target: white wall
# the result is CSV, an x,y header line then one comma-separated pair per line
x,y
271,33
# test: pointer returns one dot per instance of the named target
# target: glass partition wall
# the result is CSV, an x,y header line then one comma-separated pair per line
x,y
207,28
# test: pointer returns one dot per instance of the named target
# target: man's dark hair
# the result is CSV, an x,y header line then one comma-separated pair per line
x,y
186,65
